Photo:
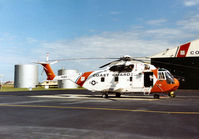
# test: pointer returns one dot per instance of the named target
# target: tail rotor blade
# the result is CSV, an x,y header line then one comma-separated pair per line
x,y
54,62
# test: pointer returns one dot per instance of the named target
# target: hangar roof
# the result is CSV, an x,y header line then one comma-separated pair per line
x,y
190,49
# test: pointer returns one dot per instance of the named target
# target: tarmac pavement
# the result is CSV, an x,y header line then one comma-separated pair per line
x,y
74,114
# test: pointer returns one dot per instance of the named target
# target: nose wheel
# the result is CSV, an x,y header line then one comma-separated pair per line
x,y
117,94
156,96
171,94
104,95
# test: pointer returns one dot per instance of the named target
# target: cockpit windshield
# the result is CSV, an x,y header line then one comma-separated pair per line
x,y
164,74
169,77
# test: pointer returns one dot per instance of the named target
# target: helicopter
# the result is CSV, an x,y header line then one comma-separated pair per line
x,y
121,76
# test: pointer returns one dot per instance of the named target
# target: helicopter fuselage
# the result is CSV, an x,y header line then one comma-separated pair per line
x,y
125,77
139,79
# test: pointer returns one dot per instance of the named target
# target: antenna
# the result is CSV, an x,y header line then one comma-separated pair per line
x,y
47,57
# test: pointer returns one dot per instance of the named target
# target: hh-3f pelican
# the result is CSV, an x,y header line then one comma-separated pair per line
x,y
121,76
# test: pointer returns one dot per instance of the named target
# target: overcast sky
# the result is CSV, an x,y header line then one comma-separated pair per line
x,y
91,28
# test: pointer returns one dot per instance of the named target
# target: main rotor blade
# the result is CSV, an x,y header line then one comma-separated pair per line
x,y
135,59
124,59
110,63
65,59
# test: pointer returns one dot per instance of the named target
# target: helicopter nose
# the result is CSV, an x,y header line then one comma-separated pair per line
x,y
177,84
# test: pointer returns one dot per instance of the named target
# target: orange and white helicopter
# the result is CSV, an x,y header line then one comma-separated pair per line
x,y
121,76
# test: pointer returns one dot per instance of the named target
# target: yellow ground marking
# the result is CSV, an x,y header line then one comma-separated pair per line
x,y
103,109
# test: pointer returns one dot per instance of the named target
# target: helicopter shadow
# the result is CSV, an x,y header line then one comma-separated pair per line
x,y
126,97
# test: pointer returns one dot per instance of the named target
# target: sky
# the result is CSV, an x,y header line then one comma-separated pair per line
x,y
91,28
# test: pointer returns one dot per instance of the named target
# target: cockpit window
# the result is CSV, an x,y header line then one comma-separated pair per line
x,y
162,69
122,68
166,75
169,77
161,75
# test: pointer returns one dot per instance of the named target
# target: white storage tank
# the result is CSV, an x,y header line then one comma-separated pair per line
x,y
66,83
26,76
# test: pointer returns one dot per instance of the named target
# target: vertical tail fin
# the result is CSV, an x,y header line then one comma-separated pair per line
x,y
49,72
47,68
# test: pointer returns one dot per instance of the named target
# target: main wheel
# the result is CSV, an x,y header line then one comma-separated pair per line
x,y
171,94
156,96
104,95
117,94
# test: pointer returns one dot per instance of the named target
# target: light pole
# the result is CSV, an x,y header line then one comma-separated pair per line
x,y
1,78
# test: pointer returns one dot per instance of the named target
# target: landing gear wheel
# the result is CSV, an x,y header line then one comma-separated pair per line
x,y
156,96
117,94
171,94
104,95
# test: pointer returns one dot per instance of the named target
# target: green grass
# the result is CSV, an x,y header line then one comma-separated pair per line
x,y
10,88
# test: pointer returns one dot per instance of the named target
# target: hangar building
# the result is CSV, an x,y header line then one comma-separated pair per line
x,y
182,62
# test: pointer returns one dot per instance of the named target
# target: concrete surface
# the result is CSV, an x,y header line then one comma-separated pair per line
x,y
74,114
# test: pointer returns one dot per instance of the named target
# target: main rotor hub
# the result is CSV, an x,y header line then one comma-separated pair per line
x,y
126,58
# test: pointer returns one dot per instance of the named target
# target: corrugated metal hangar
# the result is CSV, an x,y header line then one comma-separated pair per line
x,y
182,62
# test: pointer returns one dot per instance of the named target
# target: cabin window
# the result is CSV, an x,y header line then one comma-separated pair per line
x,y
102,79
116,79
122,68
146,67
